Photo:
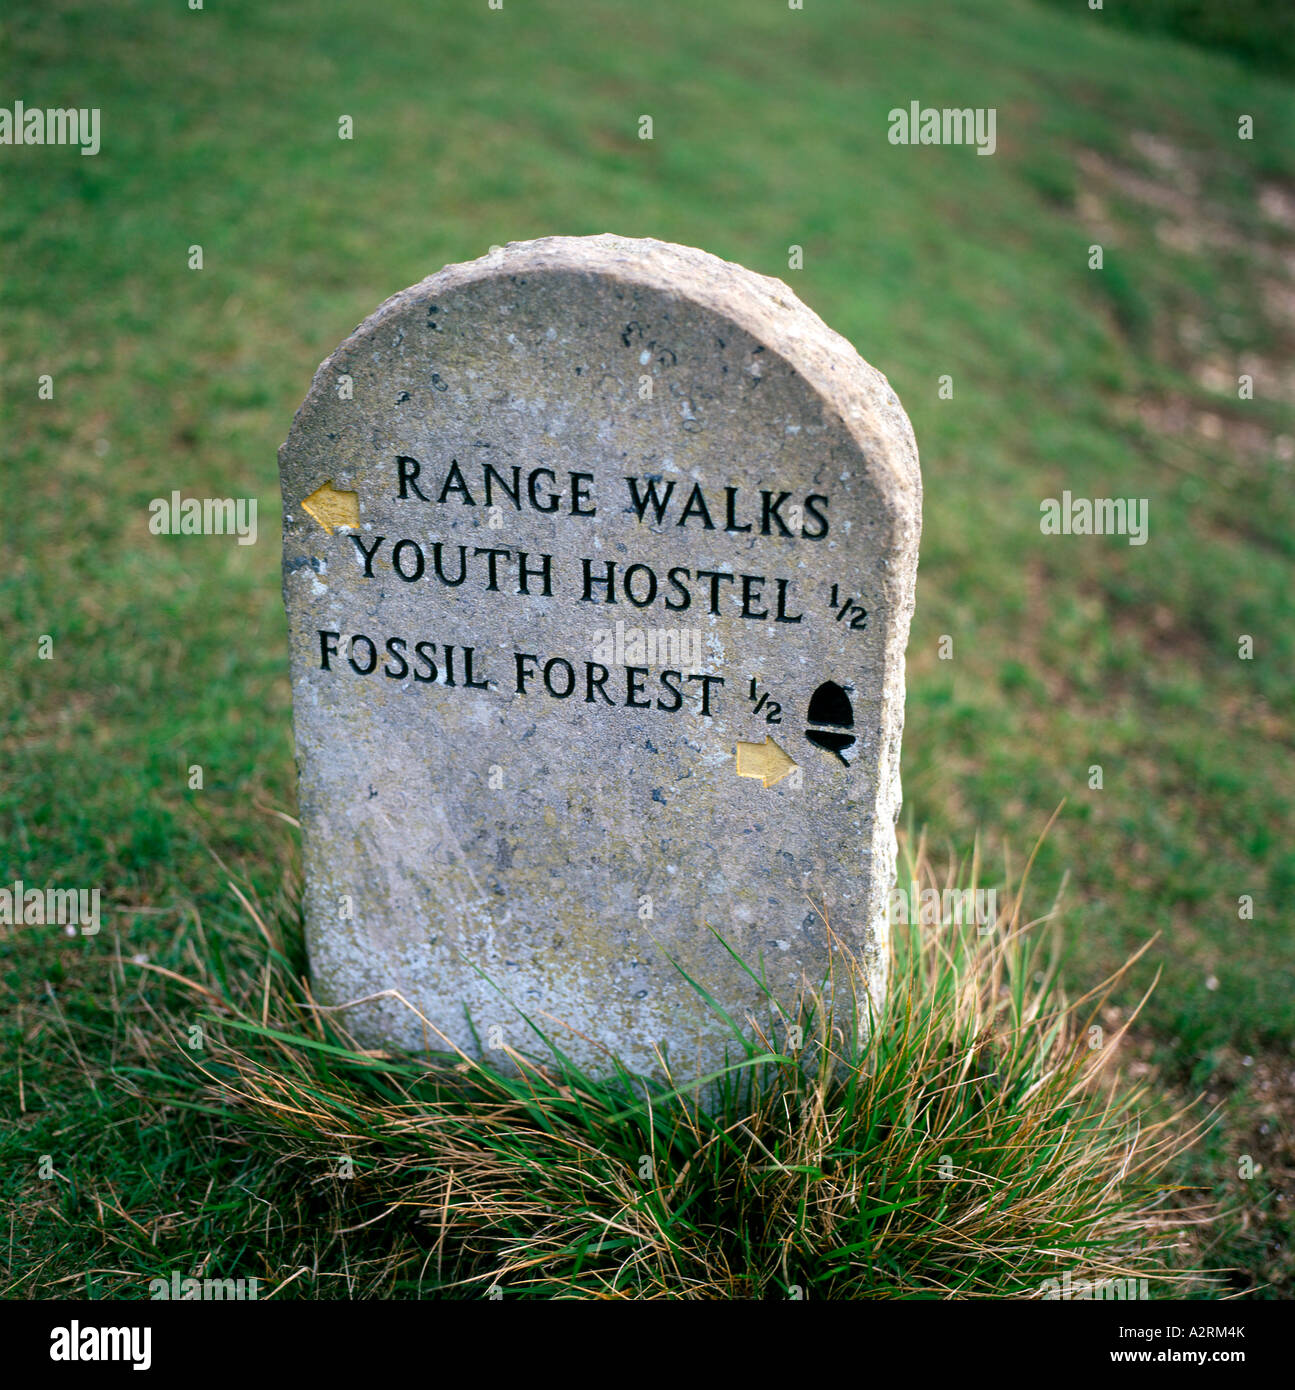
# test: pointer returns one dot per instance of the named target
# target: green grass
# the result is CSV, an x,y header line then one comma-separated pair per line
x,y
1254,30
478,126
974,1148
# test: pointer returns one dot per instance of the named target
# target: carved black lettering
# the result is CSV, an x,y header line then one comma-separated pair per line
x,y
750,594
706,683
440,569
730,511
533,481
716,577
769,512
418,557
609,583
820,516
570,677
492,559
373,655
674,690
407,469
468,653
629,585
782,616
650,498
683,590
696,506
634,678
597,682
426,659
527,572
514,493
396,651
454,483
526,669
581,494
368,554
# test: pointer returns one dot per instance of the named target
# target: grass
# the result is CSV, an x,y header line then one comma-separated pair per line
x,y
220,128
975,1147
1250,29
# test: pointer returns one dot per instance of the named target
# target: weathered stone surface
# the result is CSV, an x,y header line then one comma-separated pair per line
x,y
482,842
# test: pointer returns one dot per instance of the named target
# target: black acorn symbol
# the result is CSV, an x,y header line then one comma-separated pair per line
x,y
830,704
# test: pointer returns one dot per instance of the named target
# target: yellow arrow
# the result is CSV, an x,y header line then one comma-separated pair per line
x,y
764,760
333,509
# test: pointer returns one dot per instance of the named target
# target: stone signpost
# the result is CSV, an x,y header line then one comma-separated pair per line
x,y
599,559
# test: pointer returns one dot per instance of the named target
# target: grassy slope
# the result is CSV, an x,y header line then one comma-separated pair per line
x,y
483,126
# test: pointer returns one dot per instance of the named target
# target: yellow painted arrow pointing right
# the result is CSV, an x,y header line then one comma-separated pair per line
x,y
766,761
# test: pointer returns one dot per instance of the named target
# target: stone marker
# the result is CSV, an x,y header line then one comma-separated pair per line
x,y
599,558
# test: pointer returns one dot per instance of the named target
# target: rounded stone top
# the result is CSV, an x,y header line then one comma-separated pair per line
x,y
761,305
